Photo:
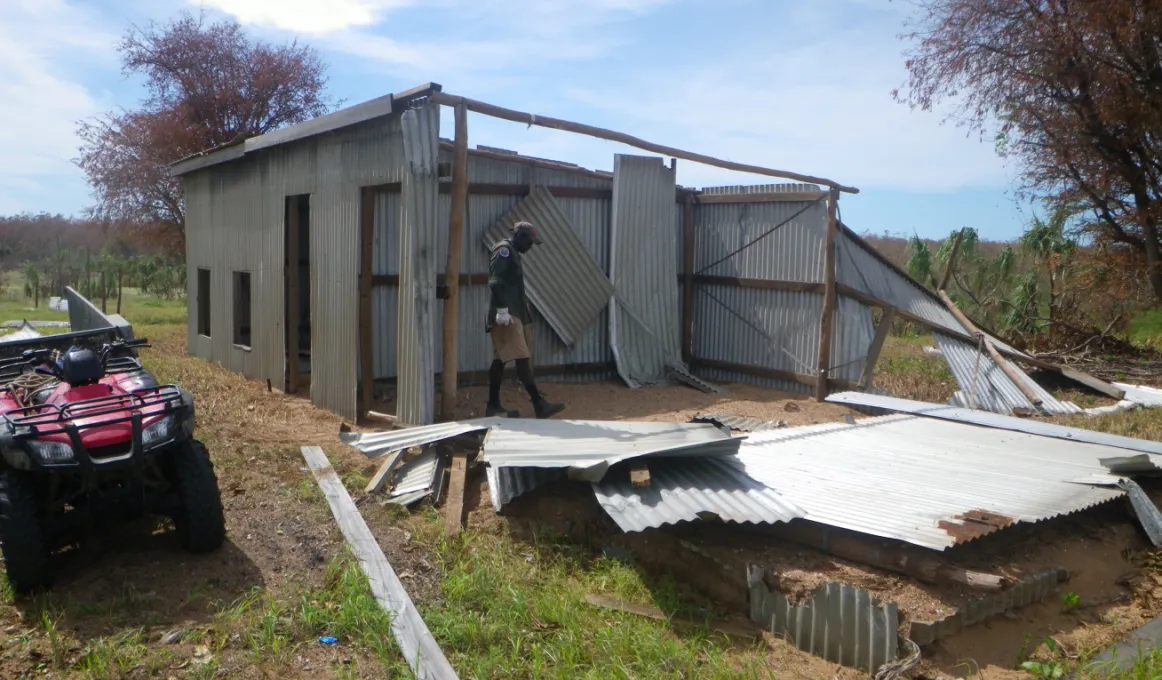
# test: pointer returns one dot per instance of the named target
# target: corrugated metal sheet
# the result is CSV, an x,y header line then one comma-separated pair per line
x,y
853,332
589,218
772,329
928,482
23,332
1144,509
417,475
687,489
984,385
792,252
858,267
83,314
1139,394
994,420
839,623
561,279
507,483
235,223
416,325
645,317
588,448
1033,589
377,444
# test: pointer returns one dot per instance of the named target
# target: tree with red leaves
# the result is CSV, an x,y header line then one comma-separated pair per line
x,y
1073,90
207,85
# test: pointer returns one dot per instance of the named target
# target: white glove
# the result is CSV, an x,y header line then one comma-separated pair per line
x,y
503,317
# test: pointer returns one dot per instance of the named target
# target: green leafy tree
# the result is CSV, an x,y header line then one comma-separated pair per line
x,y
32,283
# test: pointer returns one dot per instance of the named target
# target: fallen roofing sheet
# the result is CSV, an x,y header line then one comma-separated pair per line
x,y
564,282
507,483
984,385
418,478
588,447
23,332
928,482
1139,394
377,444
994,420
584,447
686,489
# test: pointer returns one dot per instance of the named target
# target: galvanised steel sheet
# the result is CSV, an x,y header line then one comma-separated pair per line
x,y
378,444
793,251
562,280
687,489
588,448
985,386
928,482
507,483
645,317
416,321
994,420
840,623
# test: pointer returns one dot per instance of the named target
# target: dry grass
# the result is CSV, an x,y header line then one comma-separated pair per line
x,y
905,370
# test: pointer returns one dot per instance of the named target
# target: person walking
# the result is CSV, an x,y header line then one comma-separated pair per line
x,y
510,322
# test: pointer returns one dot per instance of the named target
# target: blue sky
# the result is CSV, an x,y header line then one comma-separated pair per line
x,y
790,85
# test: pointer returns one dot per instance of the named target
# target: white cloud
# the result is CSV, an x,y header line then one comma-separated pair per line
x,y
42,105
822,109
306,16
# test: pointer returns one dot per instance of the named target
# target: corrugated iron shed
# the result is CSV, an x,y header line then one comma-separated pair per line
x,y
687,489
994,420
563,281
927,482
588,448
984,385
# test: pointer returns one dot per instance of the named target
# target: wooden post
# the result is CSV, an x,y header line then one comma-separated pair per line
x,y
873,352
367,232
620,137
827,318
292,246
452,270
951,261
688,279
1005,366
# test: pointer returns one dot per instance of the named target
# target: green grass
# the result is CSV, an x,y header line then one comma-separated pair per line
x,y
142,309
517,611
1146,328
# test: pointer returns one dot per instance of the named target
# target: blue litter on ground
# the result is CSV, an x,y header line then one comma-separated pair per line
x,y
328,640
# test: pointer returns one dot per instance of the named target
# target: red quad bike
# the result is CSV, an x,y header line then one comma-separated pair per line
x,y
88,435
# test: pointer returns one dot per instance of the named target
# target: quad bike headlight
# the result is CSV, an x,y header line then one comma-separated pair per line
x,y
51,452
158,432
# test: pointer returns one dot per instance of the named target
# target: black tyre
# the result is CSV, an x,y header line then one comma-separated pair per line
x,y
200,522
22,540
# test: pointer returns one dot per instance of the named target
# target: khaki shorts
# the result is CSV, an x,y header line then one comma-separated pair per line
x,y
512,342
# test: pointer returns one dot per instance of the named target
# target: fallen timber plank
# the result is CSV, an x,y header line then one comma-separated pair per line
x,y
419,648
454,507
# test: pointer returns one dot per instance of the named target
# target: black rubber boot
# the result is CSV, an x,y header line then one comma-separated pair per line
x,y
498,411
544,409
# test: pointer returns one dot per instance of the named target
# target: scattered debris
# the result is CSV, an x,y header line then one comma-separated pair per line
x,y
419,478
24,331
739,423
328,640
639,474
1145,510
383,474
